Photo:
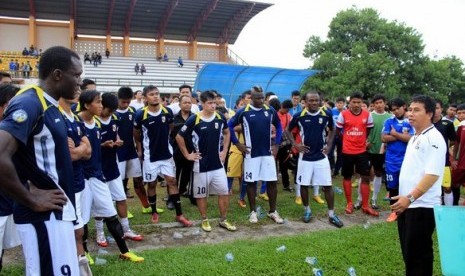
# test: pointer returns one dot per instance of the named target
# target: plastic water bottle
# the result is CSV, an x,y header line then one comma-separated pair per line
x,y
110,239
366,225
229,257
311,260
100,261
317,272
338,190
282,248
260,212
177,236
196,232
351,271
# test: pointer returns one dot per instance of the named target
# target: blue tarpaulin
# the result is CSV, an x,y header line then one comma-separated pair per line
x,y
231,80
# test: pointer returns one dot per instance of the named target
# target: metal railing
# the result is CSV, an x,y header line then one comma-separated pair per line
x,y
140,82
235,58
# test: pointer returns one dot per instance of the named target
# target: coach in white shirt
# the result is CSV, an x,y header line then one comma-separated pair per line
x,y
420,188
184,90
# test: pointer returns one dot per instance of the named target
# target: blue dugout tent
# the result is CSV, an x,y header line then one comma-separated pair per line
x,y
232,80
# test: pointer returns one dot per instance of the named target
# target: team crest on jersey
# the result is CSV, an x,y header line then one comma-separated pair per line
x,y
184,127
320,120
98,134
163,119
19,116
113,128
266,113
130,117
417,146
78,129
216,125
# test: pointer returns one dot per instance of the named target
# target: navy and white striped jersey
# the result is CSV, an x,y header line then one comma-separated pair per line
x,y
109,131
312,128
256,126
155,131
42,157
126,133
76,130
93,166
206,135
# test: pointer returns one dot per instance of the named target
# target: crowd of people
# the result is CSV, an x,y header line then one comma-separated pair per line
x,y
68,151
32,51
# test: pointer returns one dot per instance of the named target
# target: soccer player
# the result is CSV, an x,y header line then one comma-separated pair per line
x,y
356,123
458,164
396,133
447,130
420,182
379,115
209,133
79,148
313,165
98,200
128,162
152,126
259,164
8,235
34,132
110,142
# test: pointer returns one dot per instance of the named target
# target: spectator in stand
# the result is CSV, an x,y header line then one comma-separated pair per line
x,y
197,67
107,53
159,58
142,69
27,70
99,58
35,53
136,68
180,62
138,101
5,78
17,68
31,49
95,59
296,106
25,52
12,67
165,57
87,58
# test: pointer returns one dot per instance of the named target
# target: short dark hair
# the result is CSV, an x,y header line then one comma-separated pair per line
x,y
257,88
397,102
460,107
147,89
125,93
330,103
366,102
87,97
86,82
207,95
438,101
275,103
378,97
356,95
427,101
247,92
182,97
185,86
295,93
340,99
268,94
53,58
110,101
287,104
453,105
7,91
4,74
221,109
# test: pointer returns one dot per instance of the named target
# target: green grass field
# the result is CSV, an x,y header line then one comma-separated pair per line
x,y
372,251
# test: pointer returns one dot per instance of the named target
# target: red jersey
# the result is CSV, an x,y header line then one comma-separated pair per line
x,y
355,129
461,145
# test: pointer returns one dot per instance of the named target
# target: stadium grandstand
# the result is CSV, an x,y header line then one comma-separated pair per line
x,y
141,31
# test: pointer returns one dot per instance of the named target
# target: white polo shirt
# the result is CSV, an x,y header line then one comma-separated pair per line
x,y
425,155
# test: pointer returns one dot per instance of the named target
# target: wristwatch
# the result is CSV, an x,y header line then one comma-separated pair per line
x,y
411,198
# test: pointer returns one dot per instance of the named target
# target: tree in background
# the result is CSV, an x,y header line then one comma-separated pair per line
x,y
366,53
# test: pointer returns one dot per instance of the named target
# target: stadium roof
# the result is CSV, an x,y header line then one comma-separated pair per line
x,y
213,21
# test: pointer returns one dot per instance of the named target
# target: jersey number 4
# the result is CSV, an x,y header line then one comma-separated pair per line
x,y
248,175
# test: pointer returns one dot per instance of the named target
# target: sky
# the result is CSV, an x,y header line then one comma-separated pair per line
x,y
277,36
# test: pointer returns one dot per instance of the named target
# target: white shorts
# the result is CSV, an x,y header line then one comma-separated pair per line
x,y
8,235
116,189
96,200
211,182
260,168
163,167
78,203
130,168
314,173
49,247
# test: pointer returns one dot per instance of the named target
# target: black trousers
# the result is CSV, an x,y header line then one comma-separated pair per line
x,y
416,227
283,158
183,172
